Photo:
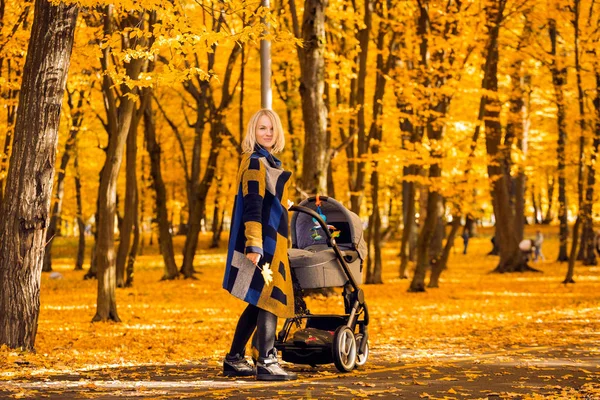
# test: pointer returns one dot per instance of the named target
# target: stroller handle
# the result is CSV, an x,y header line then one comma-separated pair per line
x,y
330,241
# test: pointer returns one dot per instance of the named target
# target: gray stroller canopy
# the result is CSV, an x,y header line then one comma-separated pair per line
x,y
347,222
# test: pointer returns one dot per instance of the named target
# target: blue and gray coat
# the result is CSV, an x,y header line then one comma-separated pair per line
x,y
259,224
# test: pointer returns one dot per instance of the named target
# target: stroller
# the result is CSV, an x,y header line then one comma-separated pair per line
x,y
327,251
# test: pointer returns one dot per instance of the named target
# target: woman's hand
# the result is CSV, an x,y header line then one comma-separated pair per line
x,y
254,257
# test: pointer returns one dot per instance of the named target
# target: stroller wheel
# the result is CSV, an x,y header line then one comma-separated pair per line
x,y
344,349
361,359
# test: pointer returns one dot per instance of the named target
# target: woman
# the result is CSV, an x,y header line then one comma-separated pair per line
x,y
259,236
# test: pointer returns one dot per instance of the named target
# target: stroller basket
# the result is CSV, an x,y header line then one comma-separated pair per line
x,y
319,268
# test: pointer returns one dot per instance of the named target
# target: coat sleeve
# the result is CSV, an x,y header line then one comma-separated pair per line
x,y
253,180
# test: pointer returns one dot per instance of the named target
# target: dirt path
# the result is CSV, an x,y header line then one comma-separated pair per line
x,y
572,372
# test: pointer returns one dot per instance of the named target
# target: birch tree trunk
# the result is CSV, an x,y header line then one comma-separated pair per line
x,y
24,214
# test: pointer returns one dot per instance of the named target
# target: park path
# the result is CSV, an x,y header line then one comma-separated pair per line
x,y
561,372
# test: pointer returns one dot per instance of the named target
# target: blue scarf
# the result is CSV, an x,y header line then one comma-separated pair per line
x,y
273,161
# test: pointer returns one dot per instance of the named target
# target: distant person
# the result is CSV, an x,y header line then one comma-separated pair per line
x,y
527,247
465,238
539,240
597,243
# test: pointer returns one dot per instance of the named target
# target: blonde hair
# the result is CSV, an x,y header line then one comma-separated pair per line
x,y
250,140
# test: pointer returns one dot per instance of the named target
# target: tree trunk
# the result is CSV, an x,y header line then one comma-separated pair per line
x,y
130,200
284,89
536,209
442,264
572,255
559,80
57,201
120,121
142,197
374,273
352,129
362,141
136,240
412,134
433,205
80,223
165,239
584,242
24,214
409,134
198,191
105,257
517,130
436,246
376,134
315,162
511,259
191,243
408,200
216,237
195,209
76,121
551,182
327,101
437,108
92,272
11,113
311,56
585,211
591,179
520,190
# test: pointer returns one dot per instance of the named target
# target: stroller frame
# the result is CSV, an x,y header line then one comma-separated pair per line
x,y
349,348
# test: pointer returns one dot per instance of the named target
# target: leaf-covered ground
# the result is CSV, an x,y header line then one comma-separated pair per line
x,y
427,339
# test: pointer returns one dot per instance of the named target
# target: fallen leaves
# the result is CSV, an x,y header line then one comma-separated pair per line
x,y
448,378
182,322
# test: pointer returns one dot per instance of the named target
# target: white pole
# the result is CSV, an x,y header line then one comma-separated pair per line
x,y
266,94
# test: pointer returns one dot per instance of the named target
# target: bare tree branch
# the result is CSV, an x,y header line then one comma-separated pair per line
x,y
175,129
